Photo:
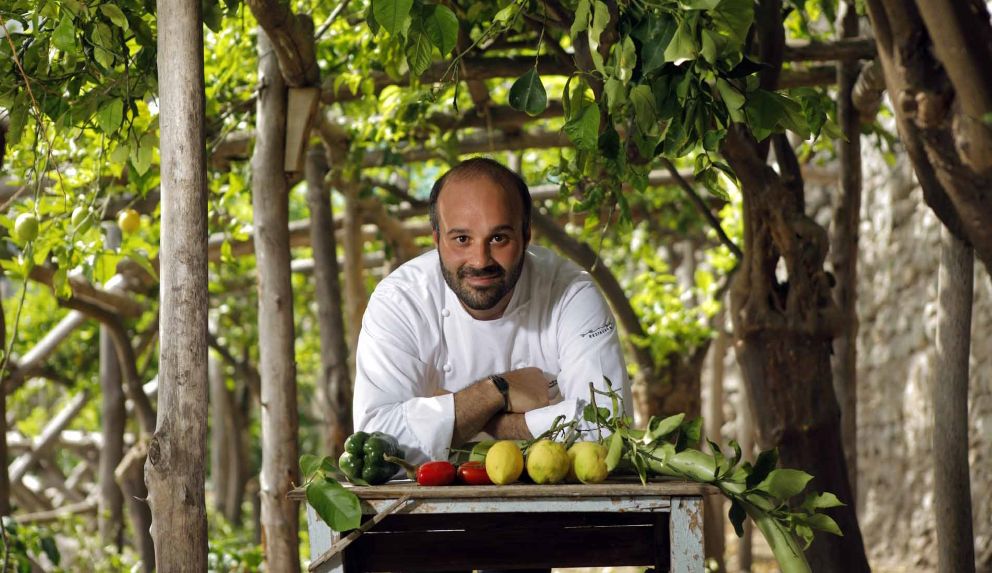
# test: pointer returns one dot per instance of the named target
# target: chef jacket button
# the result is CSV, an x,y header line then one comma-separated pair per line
x,y
445,312
447,367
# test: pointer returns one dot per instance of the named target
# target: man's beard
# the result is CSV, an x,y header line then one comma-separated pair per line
x,y
482,298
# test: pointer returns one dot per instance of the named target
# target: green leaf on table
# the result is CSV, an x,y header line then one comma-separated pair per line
x,y
584,129
823,500
309,464
528,94
418,51
690,434
64,35
480,450
392,14
784,483
338,507
658,429
442,28
824,522
737,516
115,15
766,462
614,452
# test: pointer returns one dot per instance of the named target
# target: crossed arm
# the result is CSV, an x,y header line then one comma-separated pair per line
x,y
480,406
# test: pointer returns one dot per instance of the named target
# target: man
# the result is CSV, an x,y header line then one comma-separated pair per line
x,y
485,333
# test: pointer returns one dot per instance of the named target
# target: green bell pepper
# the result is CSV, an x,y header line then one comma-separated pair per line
x,y
362,460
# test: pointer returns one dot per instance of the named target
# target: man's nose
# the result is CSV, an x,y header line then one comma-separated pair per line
x,y
481,255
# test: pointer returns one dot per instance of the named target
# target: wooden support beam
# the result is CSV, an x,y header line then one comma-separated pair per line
x,y
34,359
111,297
85,507
48,437
849,48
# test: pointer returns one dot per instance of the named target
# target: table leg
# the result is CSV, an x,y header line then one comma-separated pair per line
x,y
687,535
321,538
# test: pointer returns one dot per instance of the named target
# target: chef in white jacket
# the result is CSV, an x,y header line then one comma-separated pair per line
x,y
484,334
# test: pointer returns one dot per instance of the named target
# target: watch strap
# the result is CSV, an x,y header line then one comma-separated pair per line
x,y
504,388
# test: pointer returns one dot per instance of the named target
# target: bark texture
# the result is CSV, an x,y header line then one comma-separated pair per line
x,y
334,383
949,387
936,54
783,330
174,472
111,505
844,248
280,419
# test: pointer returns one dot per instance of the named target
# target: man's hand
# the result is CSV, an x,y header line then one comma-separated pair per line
x,y
528,389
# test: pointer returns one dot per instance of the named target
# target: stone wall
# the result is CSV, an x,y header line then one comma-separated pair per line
x,y
897,290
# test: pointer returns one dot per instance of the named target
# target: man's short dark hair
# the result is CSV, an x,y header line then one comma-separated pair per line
x,y
495,171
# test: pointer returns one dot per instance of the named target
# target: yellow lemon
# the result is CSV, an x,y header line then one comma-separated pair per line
x,y
547,462
588,462
504,462
26,227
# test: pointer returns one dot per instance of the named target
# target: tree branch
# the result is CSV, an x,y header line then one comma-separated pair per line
x,y
703,209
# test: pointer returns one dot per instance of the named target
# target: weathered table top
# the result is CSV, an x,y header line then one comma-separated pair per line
x,y
614,487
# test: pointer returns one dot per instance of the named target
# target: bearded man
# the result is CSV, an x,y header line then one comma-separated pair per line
x,y
485,334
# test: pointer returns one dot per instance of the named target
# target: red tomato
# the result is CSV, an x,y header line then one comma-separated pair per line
x,y
474,473
436,473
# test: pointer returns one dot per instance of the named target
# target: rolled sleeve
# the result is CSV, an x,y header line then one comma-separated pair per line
x,y
590,350
395,390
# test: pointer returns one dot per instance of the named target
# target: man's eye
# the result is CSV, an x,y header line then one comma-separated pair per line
x,y
461,239
499,239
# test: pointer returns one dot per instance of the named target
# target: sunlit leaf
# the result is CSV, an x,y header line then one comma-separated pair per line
x,y
338,507
528,94
392,15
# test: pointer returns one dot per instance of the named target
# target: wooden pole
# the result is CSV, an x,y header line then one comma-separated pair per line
x,y
844,249
949,387
334,383
113,417
354,283
277,364
713,516
174,471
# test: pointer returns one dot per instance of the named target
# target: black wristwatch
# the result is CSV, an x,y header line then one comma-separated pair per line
x,y
504,388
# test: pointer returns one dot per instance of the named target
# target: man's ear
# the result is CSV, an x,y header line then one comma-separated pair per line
x,y
435,235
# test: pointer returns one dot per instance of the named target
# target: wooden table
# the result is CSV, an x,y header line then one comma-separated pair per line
x,y
504,527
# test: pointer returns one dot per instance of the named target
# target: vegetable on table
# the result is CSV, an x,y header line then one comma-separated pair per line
x,y
429,473
473,473
364,458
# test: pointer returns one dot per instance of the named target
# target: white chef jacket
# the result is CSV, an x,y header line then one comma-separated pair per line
x,y
417,341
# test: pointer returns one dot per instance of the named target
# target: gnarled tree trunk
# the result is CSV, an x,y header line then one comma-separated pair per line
x,y
936,56
174,471
783,331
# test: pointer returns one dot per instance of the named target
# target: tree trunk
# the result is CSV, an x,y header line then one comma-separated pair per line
x,y
4,476
280,422
355,297
220,445
936,55
783,328
713,517
844,249
334,383
174,471
745,437
113,418
949,389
